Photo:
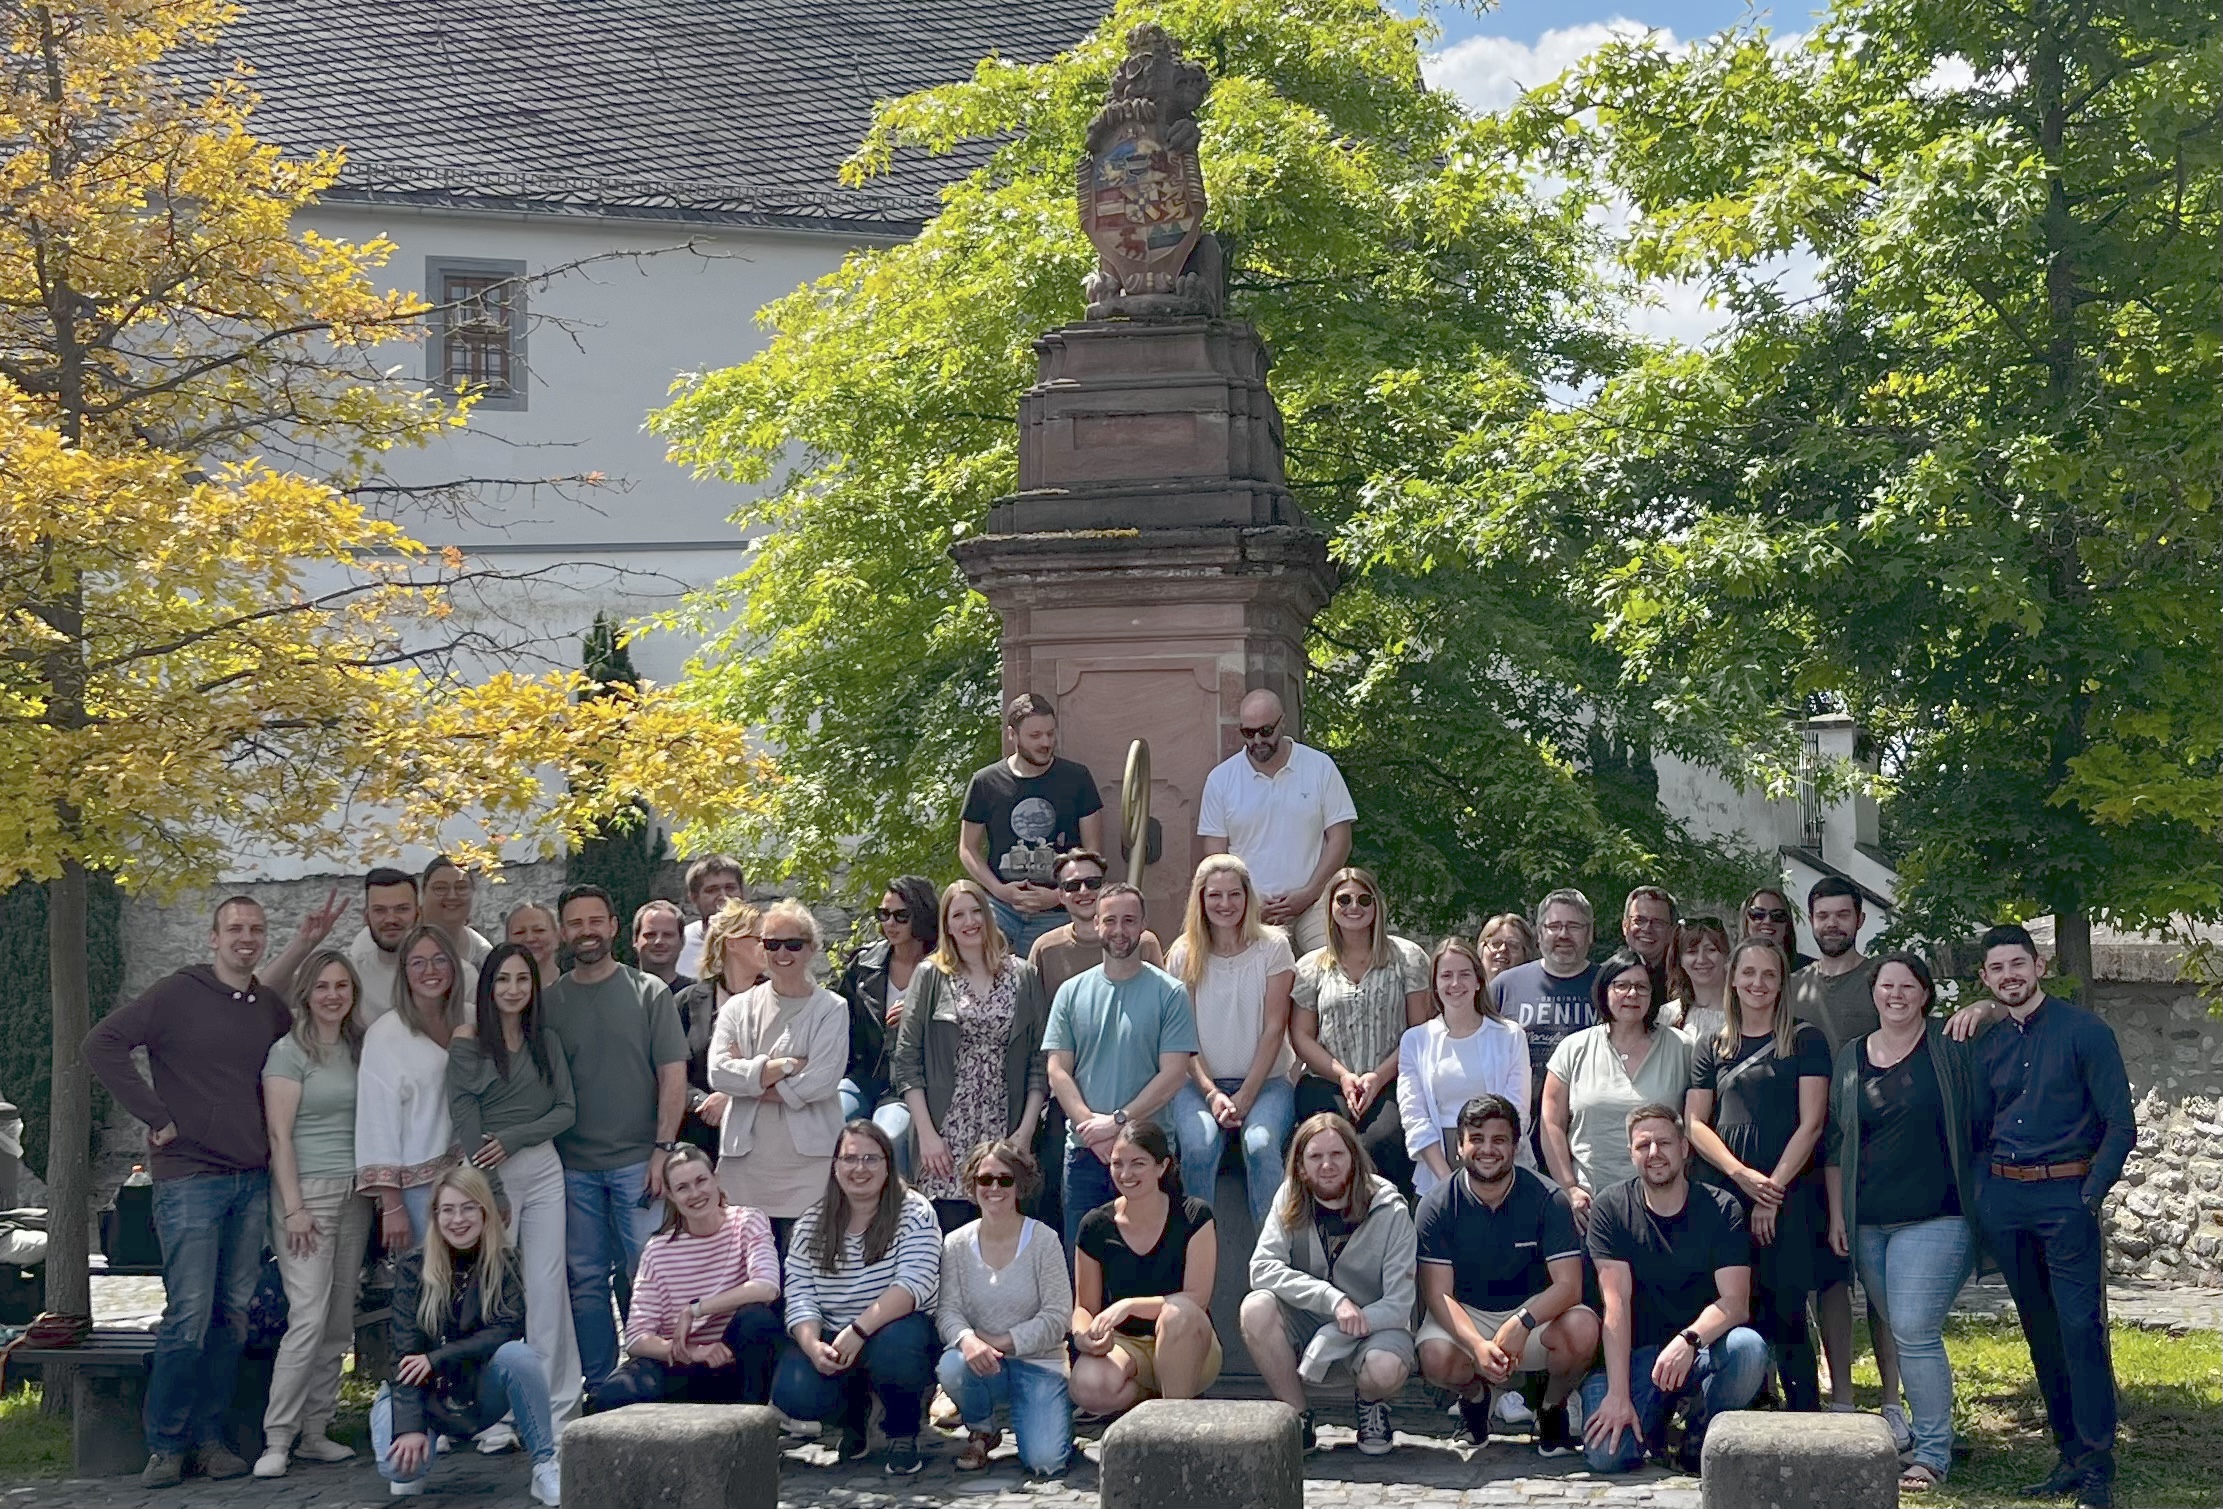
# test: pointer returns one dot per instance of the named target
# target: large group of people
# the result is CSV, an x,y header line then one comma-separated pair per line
x,y
985,1162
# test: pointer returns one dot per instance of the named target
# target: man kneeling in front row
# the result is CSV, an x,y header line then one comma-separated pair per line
x,y
1675,1267
1332,1280
1501,1274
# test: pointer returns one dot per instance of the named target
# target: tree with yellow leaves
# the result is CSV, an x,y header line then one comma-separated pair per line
x,y
202,646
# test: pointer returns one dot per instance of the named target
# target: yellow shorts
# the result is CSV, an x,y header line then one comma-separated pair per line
x,y
1143,1350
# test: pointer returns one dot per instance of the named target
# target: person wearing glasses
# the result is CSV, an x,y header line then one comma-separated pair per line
x,y
1004,1305
1353,1002
1020,814
1550,998
1648,929
968,1057
876,982
1600,1074
777,1052
1698,978
1767,915
1283,809
448,894
863,1272
1504,941
733,962
403,1137
1077,947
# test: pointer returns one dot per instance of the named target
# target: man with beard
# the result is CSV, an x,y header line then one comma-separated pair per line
x,y
628,1058
1675,1267
1020,814
1332,1281
1501,1275
1119,1040
1549,998
1062,953
1648,927
389,912
657,928
712,881
1283,809
2050,1084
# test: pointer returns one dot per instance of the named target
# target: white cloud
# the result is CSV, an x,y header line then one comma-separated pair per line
x,y
1488,73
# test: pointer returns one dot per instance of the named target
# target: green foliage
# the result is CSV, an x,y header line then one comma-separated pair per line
x,y
625,855
1966,491
1412,291
26,1014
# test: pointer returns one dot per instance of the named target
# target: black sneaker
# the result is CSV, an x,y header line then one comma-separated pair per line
x,y
1553,1438
903,1457
851,1445
1310,1432
2096,1491
1376,1438
1474,1414
2060,1482
1690,1453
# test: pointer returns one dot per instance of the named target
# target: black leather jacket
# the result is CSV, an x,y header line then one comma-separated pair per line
x,y
459,1348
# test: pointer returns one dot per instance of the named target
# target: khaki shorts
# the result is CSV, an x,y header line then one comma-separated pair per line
x,y
1144,1351
1532,1359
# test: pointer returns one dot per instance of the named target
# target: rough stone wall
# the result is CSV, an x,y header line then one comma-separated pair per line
x,y
2165,1219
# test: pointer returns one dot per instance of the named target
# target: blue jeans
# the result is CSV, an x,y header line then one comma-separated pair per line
x,y
1087,1185
1912,1272
890,1116
212,1228
1034,1393
416,1203
1020,929
513,1382
605,1229
1265,1134
1726,1376
2050,1250
897,1364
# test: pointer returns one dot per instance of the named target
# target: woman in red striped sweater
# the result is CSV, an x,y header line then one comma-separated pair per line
x,y
704,1327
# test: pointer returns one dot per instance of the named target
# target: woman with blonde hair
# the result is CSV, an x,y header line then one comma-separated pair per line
x,y
1351,1005
458,1311
732,961
1504,941
318,1222
403,1136
1240,974
778,1052
1466,1049
968,1053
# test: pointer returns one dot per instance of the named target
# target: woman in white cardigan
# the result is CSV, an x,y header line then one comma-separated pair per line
x,y
1465,1050
779,1051
403,1138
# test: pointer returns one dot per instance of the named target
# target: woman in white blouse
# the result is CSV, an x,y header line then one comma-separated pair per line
x,y
1239,973
403,1138
1466,1050
778,1051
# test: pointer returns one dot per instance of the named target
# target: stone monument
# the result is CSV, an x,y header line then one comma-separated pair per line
x,y
1152,565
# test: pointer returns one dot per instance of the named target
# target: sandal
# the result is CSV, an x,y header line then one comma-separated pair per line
x,y
978,1444
1920,1477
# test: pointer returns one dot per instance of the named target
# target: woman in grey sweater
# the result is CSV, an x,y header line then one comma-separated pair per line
x,y
1004,1305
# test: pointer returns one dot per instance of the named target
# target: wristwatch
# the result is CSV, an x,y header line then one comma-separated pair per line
x,y
1691,1336
1527,1320
1119,1117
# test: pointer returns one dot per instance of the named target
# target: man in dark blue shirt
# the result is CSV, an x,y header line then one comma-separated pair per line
x,y
2050,1083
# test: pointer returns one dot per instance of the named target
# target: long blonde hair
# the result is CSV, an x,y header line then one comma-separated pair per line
x,y
405,1002
492,1262
1195,942
1378,951
304,1019
1732,1020
733,920
994,946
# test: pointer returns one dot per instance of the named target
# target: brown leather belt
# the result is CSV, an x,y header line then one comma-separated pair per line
x,y
2035,1173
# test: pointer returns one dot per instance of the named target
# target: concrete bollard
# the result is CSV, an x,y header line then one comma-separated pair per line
x,y
1201,1454
674,1456
1758,1460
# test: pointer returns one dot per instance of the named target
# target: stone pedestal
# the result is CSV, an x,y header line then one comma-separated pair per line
x,y
1152,566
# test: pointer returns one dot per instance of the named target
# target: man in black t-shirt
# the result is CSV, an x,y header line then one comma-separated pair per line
x,y
1020,814
1501,1276
1675,1267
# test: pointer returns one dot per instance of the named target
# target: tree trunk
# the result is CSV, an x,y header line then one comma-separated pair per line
x,y
70,1126
2072,953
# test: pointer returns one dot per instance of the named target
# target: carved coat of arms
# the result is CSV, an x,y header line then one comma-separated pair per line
x,y
1142,191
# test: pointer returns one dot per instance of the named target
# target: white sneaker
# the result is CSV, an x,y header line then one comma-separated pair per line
x,y
807,1430
319,1447
406,1490
272,1462
496,1439
1902,1434
1512,1411
547,1483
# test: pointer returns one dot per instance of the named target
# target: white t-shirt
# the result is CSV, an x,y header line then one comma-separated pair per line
x,y
1276,824
1438,1073
690,949
1230,1003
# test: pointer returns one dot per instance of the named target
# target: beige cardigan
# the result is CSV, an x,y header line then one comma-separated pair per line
x,y
818,1033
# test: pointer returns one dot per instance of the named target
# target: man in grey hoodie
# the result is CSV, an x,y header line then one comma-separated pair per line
x,y
1332,1281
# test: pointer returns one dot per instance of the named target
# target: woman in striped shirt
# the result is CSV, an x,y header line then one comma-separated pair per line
x,y
863,1267
702,1328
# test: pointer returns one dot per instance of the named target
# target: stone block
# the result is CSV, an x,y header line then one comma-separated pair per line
x,y
106,1407
1204,1454
674,1456
1763,1460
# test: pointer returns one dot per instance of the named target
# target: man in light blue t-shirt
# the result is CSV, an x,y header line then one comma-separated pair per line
x,y
1119,1040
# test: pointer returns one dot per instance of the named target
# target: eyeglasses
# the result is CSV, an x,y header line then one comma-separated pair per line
x,y
893,913
998,1181
1267,732
786,945
1081,883
1353,901
1556,928
1767,914
427,965
860,1160
1630,986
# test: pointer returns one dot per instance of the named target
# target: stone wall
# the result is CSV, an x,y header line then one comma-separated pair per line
x,y
2165,1220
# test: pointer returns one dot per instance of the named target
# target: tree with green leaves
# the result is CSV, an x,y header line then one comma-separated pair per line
x,y
624,853
1964,490
1411,291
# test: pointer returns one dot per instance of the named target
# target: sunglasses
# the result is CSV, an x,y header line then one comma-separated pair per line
x,y
1267,732
1000,1181
1355,903
1084,883
893,913
1767,914
787,945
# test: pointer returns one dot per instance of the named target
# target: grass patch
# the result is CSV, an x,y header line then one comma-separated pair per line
x,y
2169,1450
33,1444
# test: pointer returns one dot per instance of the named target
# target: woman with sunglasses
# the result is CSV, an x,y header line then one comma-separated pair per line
x,y
1353,1003
777,1052
1004,1305
876,983
862,1274
968,1057
1767,915
1698,978
732,962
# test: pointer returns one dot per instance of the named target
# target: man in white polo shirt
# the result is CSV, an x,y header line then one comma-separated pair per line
x,y
1282,809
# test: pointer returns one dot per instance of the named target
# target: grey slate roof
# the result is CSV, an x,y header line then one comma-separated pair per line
x,y
686,109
